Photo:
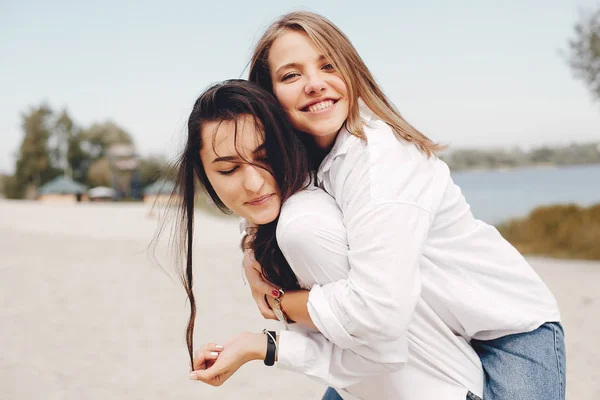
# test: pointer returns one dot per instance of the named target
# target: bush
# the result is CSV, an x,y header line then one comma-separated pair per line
x,y
563,231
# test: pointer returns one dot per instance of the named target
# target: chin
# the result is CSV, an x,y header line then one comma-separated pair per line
x,y
265,217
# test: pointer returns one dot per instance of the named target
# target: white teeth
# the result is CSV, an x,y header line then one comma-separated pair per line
x,y
320,106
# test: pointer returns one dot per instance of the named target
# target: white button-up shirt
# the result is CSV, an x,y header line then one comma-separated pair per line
x,y
411,234
421,275
441,364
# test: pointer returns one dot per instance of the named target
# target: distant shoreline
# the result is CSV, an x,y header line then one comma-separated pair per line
x,y
505,159
518,167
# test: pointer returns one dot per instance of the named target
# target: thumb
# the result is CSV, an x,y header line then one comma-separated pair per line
x,y
205,375
258,283
266,288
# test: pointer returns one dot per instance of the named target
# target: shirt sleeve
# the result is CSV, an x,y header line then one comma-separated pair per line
x,y
316,248
314,355
379,190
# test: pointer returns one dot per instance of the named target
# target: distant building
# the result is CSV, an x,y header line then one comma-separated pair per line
x,y
62,190
159,192
124,165
102,193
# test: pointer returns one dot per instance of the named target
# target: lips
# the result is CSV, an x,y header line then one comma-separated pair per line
x,y
260,200
318,105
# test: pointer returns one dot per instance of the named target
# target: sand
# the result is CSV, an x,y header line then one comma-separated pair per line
x,y
87,310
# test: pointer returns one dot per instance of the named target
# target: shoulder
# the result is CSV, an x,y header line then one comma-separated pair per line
x,y
310,201
387,168
308,211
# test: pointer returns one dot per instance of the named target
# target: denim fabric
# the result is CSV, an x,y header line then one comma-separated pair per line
x,y
524,366
331,394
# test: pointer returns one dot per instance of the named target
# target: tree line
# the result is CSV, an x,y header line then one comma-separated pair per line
x,y
573,154
53,145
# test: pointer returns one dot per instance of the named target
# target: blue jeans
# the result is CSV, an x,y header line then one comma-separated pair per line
x,y
524,366
331,394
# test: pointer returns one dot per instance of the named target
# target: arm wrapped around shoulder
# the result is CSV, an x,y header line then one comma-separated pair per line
x,y
376,300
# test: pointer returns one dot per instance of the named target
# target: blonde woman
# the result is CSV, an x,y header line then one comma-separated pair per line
x,y
411,234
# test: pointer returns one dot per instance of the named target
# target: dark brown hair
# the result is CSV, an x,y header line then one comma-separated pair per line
x,y
287,161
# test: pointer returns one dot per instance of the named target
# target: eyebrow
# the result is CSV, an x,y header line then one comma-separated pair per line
x,y
237,158
296,65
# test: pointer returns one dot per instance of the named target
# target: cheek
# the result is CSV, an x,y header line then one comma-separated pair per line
x,y
340,86
225,190
285,96
269,180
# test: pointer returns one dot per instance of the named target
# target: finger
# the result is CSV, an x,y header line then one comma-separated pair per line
x,y
205,353
249,260
250,254
263,307
259,284
210,347
210,376
202,359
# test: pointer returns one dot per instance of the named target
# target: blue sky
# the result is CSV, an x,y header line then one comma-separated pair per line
x,y
466,73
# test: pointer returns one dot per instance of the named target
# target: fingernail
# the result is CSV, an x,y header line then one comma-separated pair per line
x,y
214,353
219,347
275,293
193,377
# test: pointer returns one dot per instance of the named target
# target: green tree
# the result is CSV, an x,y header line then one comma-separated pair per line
x,y
151,169
584,51
33,166
99,137
63,136
79,160
100,173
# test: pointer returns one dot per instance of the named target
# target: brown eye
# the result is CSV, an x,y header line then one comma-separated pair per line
x,y
328,67
289,76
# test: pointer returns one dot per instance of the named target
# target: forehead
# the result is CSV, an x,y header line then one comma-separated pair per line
x,y
229,137
291,45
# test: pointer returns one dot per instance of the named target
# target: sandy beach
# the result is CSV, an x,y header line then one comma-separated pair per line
x,y
90,311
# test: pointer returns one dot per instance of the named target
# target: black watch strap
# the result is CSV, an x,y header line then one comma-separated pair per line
x,y
271,348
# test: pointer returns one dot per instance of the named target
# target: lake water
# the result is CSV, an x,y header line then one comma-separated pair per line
x,y
495,196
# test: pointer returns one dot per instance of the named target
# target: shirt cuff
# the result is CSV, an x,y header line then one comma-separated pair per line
x,y
291,351
326,321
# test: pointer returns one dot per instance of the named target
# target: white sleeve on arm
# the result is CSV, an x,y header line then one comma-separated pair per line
x,y
313,355
318,254
386,230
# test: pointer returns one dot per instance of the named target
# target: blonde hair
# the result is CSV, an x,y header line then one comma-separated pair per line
x,y
360,83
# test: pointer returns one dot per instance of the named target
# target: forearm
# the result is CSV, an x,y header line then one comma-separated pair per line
x,y
295,306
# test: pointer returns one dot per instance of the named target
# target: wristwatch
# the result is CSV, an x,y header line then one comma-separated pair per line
x,y
278,310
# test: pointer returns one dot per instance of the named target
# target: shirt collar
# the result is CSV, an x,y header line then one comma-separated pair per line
x,y
343,141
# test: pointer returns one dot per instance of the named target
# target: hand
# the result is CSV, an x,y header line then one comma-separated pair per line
x,y
236,352
259,286
206,355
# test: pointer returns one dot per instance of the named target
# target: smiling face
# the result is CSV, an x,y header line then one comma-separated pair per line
x,y
307,86
247,190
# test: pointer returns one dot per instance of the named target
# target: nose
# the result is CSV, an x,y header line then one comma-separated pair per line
x,y
315,83
253,178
